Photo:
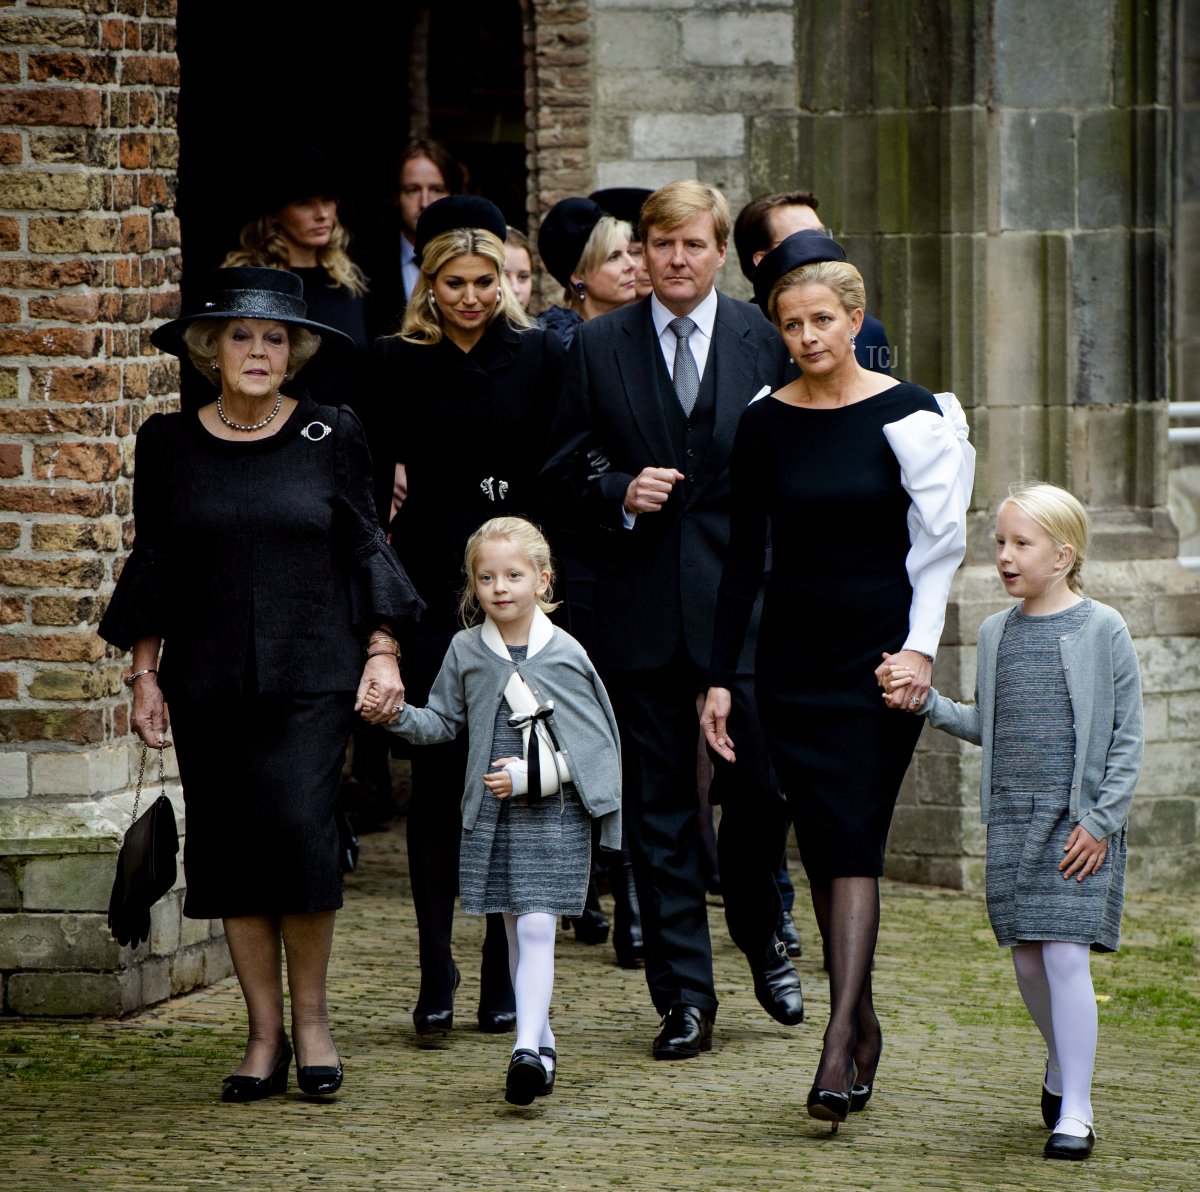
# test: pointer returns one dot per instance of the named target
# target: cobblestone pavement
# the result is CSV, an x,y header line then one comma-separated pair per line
x,y
135,1103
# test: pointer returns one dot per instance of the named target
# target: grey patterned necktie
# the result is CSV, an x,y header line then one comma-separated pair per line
x,y
687,376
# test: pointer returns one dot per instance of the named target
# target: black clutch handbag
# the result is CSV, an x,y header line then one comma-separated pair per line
x,y
145,864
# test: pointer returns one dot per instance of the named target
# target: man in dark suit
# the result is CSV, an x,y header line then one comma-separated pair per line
x,y
657,388
765,223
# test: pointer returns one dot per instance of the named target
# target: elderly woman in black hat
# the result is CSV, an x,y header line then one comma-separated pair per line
x,y
470,386
586,251
861,484
261,572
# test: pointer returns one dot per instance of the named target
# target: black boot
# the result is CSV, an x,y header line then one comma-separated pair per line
x,y
627,918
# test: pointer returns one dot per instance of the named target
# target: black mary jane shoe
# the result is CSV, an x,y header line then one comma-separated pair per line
x,y
548,1087
255,1088
437,1022
527,1076
319,1080
826,1105
860,1094
1068,1146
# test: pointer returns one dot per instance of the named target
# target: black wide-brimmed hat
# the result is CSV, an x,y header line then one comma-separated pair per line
x,y
303,173
248,292
623,202
806,247
564,235
458,211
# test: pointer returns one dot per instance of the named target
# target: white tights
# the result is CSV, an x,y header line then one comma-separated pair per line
x,y
531,966
1055,980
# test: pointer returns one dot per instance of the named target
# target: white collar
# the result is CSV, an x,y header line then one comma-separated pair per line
x,y
407,250
540,633
704,316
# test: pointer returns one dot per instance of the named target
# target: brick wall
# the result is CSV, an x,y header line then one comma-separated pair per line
x,y
89,263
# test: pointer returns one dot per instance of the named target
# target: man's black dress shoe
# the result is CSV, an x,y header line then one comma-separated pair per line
x,y
496,1022
777,987
686,1032
1067,1146
255,1088
526,1077
789,935
437,1022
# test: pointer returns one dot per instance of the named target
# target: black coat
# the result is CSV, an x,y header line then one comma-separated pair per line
x,y
657,583
471,430
261,564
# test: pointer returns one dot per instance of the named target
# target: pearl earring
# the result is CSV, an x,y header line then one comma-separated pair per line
x,y
213,366
852,341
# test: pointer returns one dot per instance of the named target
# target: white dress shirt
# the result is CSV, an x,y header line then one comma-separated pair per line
x,y
409,269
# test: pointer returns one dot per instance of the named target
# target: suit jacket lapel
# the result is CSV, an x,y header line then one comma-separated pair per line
x,y
638,359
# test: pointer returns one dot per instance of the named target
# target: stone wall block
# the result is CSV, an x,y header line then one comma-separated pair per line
x,y
66,993
79,883
738,39
774,153
1170,768
14,774
635,40
1037,169
57,941
964,175
1151,180
653,173
1032,69
10,894
687,136
1162,822
165,919
1156,718
1106,175
822,57
1183,717
699,90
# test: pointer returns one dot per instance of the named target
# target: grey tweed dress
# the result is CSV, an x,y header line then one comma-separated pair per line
x,y
526,853
1029,820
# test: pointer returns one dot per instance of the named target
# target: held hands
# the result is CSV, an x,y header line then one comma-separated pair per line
x,y
500,783
149,716
905,678
380,694
649,490
1085,854
713,721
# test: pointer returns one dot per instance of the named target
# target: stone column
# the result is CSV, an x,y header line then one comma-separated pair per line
x,y
89,263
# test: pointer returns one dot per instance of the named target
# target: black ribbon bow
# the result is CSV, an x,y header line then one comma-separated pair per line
x,y
540,720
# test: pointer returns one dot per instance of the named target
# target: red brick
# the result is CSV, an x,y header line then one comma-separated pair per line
x,y
52,724
133,307
143,108
10,309
47,420
165,304
12,609
64,610
60,105
159,71
133,35
75,308
12,152
112,34
77,461
10,68
92,383
120,720
135,229
50,275
65,67
9,687
10,234
152,188
45,573
83,502
135,151
50,341
10,535
10,460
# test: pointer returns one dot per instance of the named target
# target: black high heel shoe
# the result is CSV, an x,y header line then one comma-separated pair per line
x,y
319,1080
438,1022
826,1105
255,1088
860,1094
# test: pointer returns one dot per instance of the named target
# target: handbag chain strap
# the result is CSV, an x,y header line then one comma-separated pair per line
x,y
162,777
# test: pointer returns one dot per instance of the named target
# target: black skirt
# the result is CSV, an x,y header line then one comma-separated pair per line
x,y
260,778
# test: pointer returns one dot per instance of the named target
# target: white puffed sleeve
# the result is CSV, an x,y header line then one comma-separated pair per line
x,y
937,469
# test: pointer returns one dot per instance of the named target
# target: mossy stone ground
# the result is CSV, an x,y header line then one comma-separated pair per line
x,y
101,1104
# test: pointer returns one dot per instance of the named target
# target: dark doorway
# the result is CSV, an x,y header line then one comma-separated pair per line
x,y
259,76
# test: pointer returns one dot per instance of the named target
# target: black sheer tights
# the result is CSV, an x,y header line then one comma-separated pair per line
x,y
847,912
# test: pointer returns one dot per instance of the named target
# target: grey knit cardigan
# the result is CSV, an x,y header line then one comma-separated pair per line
x,y
470,686
1105,687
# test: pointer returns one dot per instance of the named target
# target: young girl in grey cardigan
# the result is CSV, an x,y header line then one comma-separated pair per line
x,y
1058,711
544,759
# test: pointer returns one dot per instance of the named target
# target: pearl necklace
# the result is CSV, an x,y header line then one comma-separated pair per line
x,y
229,422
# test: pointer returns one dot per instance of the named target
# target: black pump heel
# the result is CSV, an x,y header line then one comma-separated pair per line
x,y
826,1105
255,1088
